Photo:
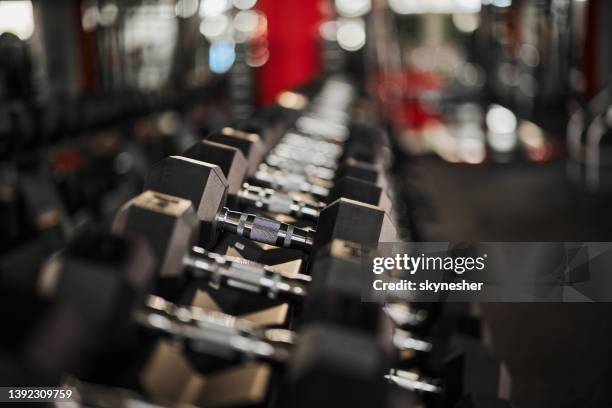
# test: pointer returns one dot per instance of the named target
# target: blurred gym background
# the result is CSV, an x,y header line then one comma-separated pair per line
x,y
500,107
500,112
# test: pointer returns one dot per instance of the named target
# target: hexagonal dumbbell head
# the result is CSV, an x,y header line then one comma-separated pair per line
x,y
356,222
268,133
339,281
168,223
205,186
230,159
361,190
250,144
373,173
201,183
336,367
335,292
102,276
367,144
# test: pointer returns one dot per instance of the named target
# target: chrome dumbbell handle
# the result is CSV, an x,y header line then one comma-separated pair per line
x,y
268,199
254,278
264,230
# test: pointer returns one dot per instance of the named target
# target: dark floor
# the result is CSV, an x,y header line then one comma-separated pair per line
x,y
558,355
503,202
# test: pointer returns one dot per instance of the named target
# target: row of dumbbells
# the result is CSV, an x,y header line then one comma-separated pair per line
x,y
344,350
157,210
46,192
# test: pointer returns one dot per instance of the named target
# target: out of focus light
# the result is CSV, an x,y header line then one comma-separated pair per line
x,y
404,6
17,17
212,8
292,100
213,27
328,30
501,3
531,135
466,22
473,5
500,120
258,56
169,123
186,8
246,21
501,124
244,4
90,18
353,8
434,6
222,55
502,142
534,141
108,14
471,150
351,35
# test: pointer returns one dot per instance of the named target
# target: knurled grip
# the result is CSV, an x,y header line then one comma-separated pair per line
x,y
265,231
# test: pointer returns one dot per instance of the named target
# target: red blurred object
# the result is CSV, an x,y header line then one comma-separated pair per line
x,y
413,111
66,161
294,46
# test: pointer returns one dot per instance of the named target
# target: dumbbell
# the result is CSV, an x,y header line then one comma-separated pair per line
x,y
233,164
252,147
105,282
171,226
303,155
273,173
281,179
286,157
103,277
471,379
366,144
206,187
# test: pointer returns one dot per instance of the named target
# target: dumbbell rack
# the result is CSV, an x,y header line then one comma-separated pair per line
x,y
226,336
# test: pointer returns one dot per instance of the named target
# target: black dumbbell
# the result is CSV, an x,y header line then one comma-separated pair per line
x,y
171,227
250,144
253,148
283,179
334,297
471,378
233,164
100,277
206,187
